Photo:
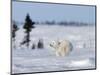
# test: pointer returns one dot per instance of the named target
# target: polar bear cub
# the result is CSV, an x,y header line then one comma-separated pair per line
x,y
62,47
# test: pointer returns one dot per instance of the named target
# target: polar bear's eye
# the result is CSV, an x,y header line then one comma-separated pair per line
x,y
53,42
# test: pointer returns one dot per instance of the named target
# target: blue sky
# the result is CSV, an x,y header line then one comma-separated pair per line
x,y
57,12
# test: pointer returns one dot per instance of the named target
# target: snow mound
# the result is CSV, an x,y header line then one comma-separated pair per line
x,y
81,63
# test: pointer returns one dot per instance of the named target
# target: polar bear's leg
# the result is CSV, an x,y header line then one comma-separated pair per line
x,y
65,51
57,53
62,53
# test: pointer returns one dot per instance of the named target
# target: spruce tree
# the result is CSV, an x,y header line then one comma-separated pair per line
x,y
29,24
40,44
33,46
14,29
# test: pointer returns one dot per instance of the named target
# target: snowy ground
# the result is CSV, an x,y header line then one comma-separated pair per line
x,y
40,60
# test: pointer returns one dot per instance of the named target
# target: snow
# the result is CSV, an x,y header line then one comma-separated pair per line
x,y
25,60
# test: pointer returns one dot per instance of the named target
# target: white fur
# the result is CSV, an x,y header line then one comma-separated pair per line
x,y
62,47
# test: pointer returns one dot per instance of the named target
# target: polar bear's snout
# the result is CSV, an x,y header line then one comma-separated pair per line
x,y
62,48
52,44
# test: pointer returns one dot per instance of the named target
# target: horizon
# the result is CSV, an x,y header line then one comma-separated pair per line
x,y
49,12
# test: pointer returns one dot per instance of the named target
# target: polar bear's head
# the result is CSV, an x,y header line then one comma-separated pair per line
x,y
54,44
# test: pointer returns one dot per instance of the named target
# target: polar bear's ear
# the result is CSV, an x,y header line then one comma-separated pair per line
x,y
53,42
59,43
